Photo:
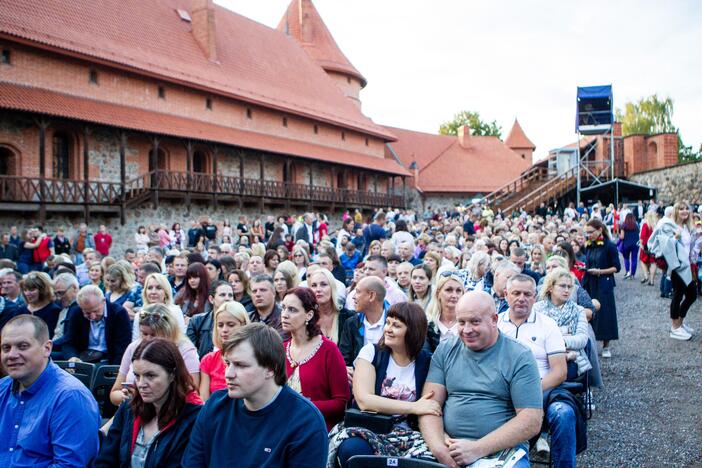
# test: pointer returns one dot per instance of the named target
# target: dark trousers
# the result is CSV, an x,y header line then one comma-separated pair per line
x,y
684,295
631,258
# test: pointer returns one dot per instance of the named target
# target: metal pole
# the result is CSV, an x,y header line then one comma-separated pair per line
x,y
580,169
611,149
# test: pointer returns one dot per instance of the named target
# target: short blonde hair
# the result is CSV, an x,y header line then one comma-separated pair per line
x,y
234,309
552,278
162,281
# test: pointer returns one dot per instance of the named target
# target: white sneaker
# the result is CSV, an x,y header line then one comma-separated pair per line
x,y
542,448
688,329
606,353
680,334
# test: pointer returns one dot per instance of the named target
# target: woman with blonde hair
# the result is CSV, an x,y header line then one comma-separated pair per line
x,y
648,260
258,250
674,239
95,274
557,303
537,259
227,318
331,316
441,312
374,248
157,290
155,321
119,282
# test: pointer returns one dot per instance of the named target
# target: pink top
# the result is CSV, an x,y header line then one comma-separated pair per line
x,y
323,380
186,348
212,364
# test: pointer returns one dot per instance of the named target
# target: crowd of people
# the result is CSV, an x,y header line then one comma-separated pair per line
x,y
448,335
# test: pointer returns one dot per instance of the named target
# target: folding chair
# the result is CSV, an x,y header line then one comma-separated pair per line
x,y
82,371
376,461
103,381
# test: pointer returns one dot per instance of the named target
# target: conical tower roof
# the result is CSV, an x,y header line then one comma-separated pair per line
x,y
303,22
517,138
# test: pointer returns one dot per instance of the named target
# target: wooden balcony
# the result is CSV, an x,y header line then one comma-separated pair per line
x,y
19,193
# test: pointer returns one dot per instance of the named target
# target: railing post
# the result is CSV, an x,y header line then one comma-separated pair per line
x,y
404,192
241,179
122,176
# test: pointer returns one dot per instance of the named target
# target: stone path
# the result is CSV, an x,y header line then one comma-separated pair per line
x,y
650,411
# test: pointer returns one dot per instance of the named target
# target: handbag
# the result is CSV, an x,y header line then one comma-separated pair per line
x,y
377,423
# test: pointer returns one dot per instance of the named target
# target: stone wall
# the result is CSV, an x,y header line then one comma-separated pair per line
x,y
167,213
680,182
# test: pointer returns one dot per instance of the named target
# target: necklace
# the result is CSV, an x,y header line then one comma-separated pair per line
x,y
294,363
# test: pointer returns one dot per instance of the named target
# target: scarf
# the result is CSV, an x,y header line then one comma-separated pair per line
x,y
565,316
599,242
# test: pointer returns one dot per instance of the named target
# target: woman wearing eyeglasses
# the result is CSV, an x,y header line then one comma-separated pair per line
x,y
442,309
227,317
153,428
155,321
556,302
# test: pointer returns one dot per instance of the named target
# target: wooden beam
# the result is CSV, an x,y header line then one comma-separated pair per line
x,y
123,176
215,156
262,178
189,170
43,125
241,179
153,163
86,172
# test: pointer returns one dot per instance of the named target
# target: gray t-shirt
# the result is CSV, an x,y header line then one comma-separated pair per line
x,y
484,387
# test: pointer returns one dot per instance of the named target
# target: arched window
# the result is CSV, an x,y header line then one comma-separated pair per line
x,y
161,160
61,167
8,162
201,162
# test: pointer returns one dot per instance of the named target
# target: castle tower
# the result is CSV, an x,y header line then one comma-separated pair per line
x,y
302,22
518,142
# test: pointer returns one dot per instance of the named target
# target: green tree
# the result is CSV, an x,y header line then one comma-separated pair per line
x,y
476,124
654,115
648,115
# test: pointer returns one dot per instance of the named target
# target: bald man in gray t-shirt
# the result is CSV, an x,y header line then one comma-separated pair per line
x,y
488,385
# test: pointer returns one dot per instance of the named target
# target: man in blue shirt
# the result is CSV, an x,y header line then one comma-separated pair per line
x,y
47,417
257,420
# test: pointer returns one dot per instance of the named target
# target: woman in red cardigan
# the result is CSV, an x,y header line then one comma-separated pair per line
x,y
314,365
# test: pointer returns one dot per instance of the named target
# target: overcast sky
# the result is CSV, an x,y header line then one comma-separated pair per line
x,y
425,61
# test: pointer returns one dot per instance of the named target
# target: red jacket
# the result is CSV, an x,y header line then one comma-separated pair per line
x,y
103,243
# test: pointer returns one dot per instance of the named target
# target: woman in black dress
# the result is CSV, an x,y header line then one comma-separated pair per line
x,y
602,261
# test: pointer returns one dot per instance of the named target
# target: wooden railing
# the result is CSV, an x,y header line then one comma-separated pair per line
x,y
526,179
18,189
58,191
557,186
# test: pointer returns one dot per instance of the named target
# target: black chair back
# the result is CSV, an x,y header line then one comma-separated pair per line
x,y
105,377
82,371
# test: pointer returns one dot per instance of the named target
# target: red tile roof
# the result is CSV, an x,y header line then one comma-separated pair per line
x,y
303,22
42,101
517,138
444,166
255,63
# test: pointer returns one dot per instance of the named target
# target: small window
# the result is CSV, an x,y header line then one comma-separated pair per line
x,y
523,156
348,80
93,76
367,141
343,136
316,129
6,57
208,103
161,92
285,121
249,114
